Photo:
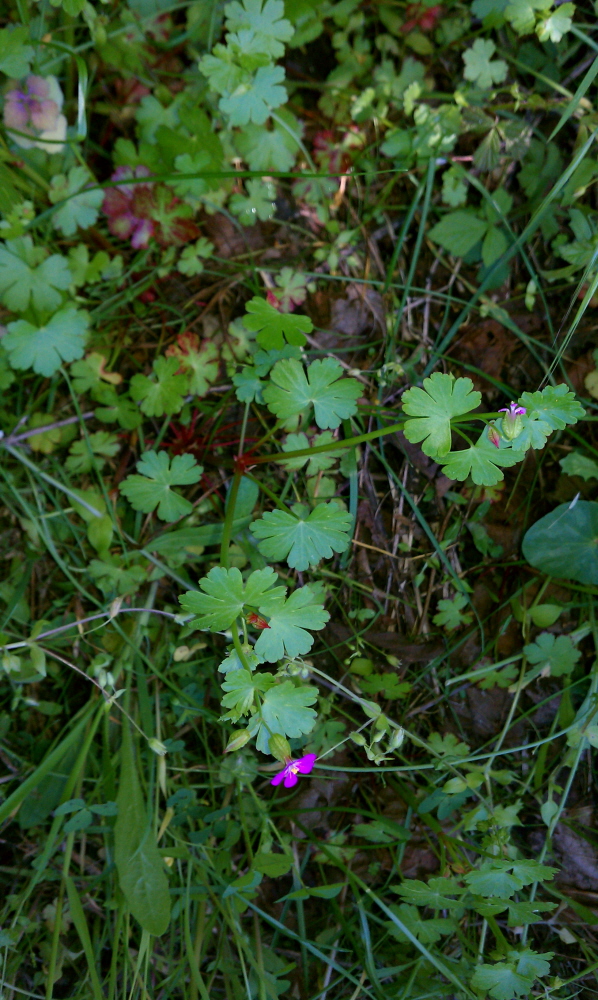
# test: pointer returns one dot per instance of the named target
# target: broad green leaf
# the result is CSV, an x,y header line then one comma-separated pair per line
x,y
114,576
284,709
578,464
303,537
480,67
102,445
198,361
522,14
458,232
513,978
152,488
192,256
241,687
116,407
165,393
273,865
556,405
556,653
139,864
89,373
291,391
503,878
441,398
448,745
318,462
272,327
552,28
437,893
44,348
289,621
482,461
563,543
388,685
257,203
255,96
450,613
15,55
224,596
248,386
81,207
269,149
427,931
29,276
259,25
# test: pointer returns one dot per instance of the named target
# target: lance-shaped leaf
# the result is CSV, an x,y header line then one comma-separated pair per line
x,y
441,398
153,488
223,596
291,391
289,620
303,537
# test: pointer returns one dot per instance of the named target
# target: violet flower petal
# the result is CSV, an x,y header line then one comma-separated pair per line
x,y
305,764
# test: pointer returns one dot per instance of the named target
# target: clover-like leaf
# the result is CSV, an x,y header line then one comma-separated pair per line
x,y
556,653
506,980
427,931
240,687
165,393
102,445
272,327
153,487
482,461
451,614
480,67
255,96
284,709
259,25
199,362
291,391
193,256
15,55
437,893
556,405
81,207
223,596
274,149
89,373
44,348
503,878
258,203
303,537
289,620
28,276
441,398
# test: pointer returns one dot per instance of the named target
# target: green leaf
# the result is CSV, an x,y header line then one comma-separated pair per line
x,y
269,149
556,405
258,203
555,653
260,26
224,596
563,543
451,615
578,464
289,620
481,461
513,978
521,14
437,893
388,685
119,408
272,327
80,821
303,537
89,373
284,710
255,96
480,67
441,398
163,395
81,208
241,687
426,931
552,28
458,232
15,55
152,488
291,392
198,362
138,862
272,865
448,745
503,878
102,445
318,462
191,260
29,277
44,348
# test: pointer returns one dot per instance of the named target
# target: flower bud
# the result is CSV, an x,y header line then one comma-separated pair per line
x,y
279,747
396,739
493,435
512,424
157,746
237,740
358,738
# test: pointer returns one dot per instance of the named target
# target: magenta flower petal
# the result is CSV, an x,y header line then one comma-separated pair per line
x,y
290,779
305,764
277,779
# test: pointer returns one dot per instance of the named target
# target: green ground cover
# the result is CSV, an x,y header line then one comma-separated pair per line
x,y
298,507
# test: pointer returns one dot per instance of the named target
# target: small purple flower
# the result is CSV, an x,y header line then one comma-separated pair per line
x,y
292,768
512,425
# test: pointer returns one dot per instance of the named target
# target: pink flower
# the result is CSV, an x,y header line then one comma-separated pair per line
x,y
513,410
512,425
292,768
33,107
